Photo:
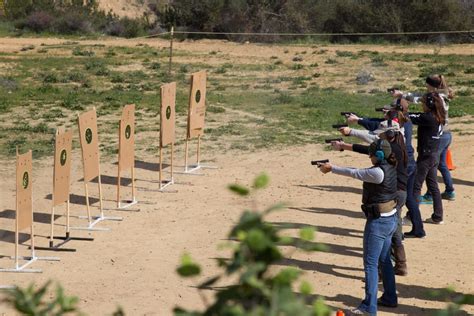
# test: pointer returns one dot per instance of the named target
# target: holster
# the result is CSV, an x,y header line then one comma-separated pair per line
x,y
373,211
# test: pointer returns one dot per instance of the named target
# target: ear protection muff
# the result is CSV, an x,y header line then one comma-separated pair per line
x,y
389,133
379,154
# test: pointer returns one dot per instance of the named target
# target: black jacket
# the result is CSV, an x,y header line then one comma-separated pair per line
x,y
429,132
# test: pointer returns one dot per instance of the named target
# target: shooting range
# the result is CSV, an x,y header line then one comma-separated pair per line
x,y
126,159
167,129
116,104
196,120
24,214
89,139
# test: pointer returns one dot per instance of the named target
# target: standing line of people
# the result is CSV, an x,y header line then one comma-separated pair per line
x,y
396,179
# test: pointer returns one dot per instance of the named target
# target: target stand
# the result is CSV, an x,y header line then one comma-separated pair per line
x,y
167,131
24,215
61,185
126,158
91,165
196,121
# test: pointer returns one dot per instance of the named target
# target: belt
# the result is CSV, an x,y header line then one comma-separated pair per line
x,y
386,207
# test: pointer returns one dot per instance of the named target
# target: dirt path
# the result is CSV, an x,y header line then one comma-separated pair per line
x,y
9,44
133,265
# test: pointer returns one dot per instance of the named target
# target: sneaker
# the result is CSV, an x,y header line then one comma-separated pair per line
x,y
432,221
450,196
406,221
413,235
425,199
356,311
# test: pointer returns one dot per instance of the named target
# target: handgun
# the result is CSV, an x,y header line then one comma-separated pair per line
x,y
390,90
329,141
338,126
347,114
319,162
380,110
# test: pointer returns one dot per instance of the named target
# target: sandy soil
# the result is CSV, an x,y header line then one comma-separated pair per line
x,y
8,44
133,264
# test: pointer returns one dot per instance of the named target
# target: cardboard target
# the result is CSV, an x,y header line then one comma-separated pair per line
x,y
168,114
24,203
127,138
197,104
62,167
89,144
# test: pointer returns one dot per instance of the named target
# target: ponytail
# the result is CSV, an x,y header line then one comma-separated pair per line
x,y
392,160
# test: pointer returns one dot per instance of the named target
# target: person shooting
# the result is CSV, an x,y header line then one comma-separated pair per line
x,y
379,196
393,135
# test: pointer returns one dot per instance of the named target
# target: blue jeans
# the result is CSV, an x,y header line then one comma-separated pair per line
x,y
377,243
444,143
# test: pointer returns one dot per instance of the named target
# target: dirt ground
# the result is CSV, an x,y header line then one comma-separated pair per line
x,y
133,264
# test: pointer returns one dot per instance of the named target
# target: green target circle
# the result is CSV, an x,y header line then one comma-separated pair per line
x,y
128,131
88,135
63,157
168,112
198,96
26,180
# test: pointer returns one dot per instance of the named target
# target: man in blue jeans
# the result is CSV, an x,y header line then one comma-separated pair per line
x,y
379,197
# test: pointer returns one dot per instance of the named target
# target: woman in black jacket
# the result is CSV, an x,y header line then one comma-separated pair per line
x,y
430,128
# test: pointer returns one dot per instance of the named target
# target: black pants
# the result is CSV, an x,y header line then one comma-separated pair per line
x,y
427,168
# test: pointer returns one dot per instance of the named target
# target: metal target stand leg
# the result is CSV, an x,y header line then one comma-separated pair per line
x,y
191,169
134,200
97,219
167,182
66,238
30,259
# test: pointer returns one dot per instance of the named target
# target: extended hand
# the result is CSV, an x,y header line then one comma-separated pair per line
x,y
337,145
351,119
325,167
346,131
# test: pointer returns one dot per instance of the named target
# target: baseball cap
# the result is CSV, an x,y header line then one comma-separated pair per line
x,y
387,125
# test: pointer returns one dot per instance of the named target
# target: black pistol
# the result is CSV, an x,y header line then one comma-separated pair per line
x,y
390,90
380,110
338,126
319,162
328,141
347,114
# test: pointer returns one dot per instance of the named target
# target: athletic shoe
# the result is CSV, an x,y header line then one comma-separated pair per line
x,y
432,221
412,235
425,199
356,311
406,221
450,196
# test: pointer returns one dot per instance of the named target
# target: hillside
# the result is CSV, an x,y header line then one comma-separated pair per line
x,y
129,8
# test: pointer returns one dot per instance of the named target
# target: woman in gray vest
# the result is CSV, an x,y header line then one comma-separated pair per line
x,y
379,205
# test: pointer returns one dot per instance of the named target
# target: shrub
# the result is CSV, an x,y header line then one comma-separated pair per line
x,y
39,21
364,77
125,27
70,22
